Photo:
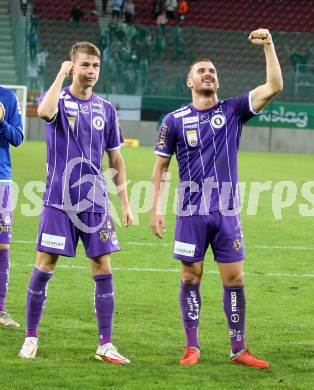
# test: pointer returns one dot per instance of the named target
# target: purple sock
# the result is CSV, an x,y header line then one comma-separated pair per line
x,y
190,304
36,299
4,275
234,305
104,306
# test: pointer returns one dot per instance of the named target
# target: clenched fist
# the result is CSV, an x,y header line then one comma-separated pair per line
x,y
66,68
2,112
261,36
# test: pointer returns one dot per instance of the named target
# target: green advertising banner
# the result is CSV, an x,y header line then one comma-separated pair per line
x,y
285,115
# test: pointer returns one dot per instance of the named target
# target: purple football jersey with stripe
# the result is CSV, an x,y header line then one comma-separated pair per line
x,y
77,137
206,144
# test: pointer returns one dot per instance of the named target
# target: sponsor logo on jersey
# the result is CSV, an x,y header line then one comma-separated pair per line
x,y
52,241
71,122
97,110
162,140
205,117
192,137
182,113
98,123
181,109
194,126
190,119
184,249
72,113
218,121
95,104
70,104
84,108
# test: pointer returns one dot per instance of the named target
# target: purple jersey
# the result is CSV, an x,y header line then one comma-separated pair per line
x,y
76,138
206,144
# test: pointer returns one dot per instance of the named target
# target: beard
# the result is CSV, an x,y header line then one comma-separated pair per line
x,y
207,92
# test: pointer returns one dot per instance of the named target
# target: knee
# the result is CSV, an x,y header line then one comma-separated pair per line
x,y
236,279
191,275
46,261
101,265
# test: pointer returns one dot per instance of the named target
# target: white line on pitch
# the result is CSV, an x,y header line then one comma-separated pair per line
x,y
162,270
168,245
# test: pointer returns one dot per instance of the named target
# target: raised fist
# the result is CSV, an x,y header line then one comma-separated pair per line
x,y
261,36
66,68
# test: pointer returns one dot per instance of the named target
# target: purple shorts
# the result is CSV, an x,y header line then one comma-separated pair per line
x,y
5,214
60,231
223,233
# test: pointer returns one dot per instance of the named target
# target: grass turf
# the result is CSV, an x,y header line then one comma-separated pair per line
x,y
147,324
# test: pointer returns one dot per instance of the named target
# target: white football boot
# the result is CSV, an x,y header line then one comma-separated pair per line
x,y
109,353
29,348
5,320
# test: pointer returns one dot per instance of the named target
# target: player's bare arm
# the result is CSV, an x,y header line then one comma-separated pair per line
x,y
158,223
2,112
49,105
116,162
274,83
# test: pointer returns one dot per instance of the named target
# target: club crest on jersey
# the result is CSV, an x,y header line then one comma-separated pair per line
x,y
192,137
218,121
98,123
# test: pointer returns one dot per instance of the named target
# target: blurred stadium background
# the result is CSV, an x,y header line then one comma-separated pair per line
x,y
143,66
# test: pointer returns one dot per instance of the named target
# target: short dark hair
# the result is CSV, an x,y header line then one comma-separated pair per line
x,y
83,47
200,59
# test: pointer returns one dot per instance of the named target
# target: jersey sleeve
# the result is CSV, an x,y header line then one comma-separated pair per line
x,y
11,127
166,141
243,106
114,134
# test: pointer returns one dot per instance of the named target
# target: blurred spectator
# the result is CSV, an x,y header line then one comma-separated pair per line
x,y
24,7
104,7
116,9
129,11
41,60
171,6
160,45
157,9
93,15
41,66
161,22
298,57
104,41
183,9
77,15
177,35
34,20
32,42
32,71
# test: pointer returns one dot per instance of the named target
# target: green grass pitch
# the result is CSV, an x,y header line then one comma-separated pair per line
x,y
147,324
